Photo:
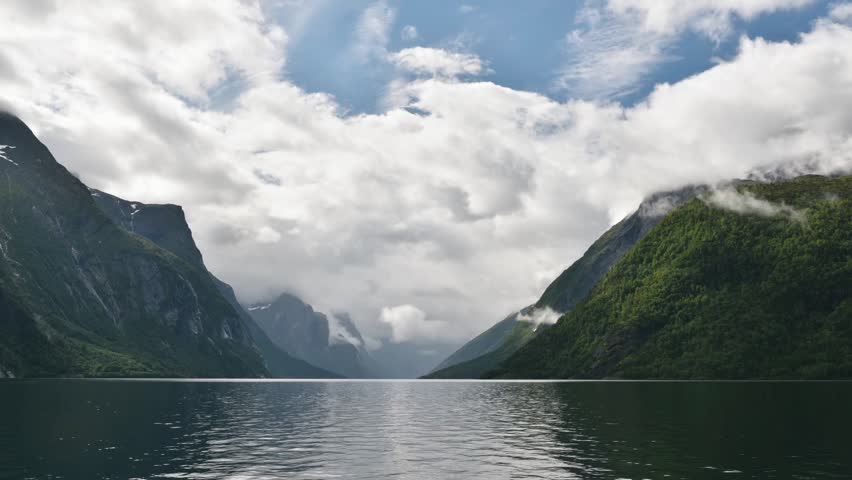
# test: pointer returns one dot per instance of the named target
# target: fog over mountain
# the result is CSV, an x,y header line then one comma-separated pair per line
x,y
455,194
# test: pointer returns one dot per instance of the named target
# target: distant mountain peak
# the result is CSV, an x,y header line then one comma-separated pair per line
x,y
331,341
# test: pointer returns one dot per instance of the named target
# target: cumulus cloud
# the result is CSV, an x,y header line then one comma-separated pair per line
x,y
409,323
461,186
746,203
539,316
436,62
841,12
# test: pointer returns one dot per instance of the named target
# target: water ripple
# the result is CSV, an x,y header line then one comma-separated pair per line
x,y
413,430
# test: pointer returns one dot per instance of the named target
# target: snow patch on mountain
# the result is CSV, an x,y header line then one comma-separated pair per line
x,y
5,155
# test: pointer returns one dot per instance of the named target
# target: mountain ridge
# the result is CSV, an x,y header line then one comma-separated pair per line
x,y
166,226
752,282
567,290
81,296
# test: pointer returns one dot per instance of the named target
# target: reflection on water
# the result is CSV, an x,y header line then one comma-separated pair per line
x,y
114,429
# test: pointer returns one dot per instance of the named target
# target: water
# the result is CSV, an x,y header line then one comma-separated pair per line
x,y
375,430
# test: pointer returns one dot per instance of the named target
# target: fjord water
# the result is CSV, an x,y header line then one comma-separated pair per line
x,y
78,429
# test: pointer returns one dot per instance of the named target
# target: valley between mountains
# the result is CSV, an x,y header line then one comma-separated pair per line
x,y
750,279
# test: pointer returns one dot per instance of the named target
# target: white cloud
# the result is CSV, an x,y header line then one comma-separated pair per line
x,y
608,55
747,204
408,33
711,17
841,12
338,333
464,8
409,323
617,43
539,316
438,63
457,210
373,31
268,235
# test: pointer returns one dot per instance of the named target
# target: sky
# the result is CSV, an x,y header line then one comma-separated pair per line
x,y
428,167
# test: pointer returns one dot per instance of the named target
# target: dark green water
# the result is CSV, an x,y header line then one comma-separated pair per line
x,y
376,430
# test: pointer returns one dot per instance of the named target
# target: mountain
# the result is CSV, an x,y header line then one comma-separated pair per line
x,y
572,286
166,226
520,333
754,281
489,349
280,363
485,342
332,343
81,296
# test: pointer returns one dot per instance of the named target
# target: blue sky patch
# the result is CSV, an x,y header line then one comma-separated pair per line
x,y
525,48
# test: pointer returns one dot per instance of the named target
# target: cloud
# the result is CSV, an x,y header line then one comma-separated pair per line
x,y
539,316
608,55
372,344
373,31
711,17
617,43
841,12
438,63
408,33
658,207
466,8
409,323
461,185
338,333
267,235
746,203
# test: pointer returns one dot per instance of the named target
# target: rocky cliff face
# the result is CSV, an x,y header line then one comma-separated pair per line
x,y
166,226
280,363
81,296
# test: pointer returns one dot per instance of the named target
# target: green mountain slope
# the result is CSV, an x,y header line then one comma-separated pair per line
x,y
166,226
489,349
572,286
761,292
519,335
485,342
80,296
